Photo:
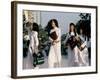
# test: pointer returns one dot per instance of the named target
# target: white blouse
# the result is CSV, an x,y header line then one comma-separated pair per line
x,y
34,42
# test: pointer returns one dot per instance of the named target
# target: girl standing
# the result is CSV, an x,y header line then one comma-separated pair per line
x,y
55,48
74,56
34,43
84,52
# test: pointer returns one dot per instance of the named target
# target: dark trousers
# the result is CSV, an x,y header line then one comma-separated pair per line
x,y
34,59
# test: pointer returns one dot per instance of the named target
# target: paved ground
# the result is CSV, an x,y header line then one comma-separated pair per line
x,y
27,62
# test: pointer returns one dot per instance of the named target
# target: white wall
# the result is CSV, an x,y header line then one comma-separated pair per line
x,y
5,40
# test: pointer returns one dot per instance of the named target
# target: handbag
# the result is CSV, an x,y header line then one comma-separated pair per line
x,y
80,44
38,59
53,35
72,42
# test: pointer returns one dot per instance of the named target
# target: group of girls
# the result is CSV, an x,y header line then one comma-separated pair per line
x,y
76,56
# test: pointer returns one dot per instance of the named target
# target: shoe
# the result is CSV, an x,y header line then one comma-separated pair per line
x,y
34,65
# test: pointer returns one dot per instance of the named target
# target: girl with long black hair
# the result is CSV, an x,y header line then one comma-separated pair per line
x,y
54,58
74,56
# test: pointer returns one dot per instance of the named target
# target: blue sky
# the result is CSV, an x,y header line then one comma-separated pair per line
x,y
64,19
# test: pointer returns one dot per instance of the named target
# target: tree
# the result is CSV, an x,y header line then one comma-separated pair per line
x,y
85,24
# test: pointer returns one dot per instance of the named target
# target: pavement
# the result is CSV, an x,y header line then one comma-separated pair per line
x,y
27,62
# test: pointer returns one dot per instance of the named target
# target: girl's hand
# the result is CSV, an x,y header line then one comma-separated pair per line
x,y
56,41
77,38
81,48
53,43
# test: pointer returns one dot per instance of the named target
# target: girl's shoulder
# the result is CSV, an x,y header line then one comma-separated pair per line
x,y
52,30
57,29
72,34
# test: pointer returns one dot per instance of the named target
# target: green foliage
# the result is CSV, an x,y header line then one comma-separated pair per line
x,y
85,24
63,46
43,38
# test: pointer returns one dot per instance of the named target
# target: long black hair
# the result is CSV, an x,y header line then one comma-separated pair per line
x,y
72,24
35,27
49,25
